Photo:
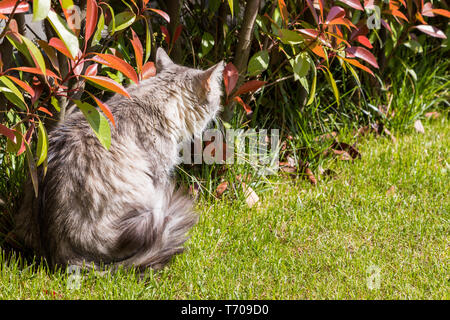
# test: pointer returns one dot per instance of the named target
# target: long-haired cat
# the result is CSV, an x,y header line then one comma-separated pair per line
x,y
119,206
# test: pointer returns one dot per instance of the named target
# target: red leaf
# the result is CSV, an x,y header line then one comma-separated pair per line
x,y
369,4
7,6
230,77
357,64
91,70
249,86
420,18
148,70
318,50
138,50
109,84
247,108
321,6
221,188
7,133
442,12
313,11
310,32
166,33
91,18
36,71
45,111
23,85
363,54
355,4
398,14
432,31
386,25
162,14
104,108
283,11
177,33
26,139
342,21
61,47
335,13
364,41
114,62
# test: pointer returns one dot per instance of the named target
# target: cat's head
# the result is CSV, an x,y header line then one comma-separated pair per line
x,y
201,87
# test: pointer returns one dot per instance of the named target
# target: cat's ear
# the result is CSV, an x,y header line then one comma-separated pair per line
x,y
162,60
211,76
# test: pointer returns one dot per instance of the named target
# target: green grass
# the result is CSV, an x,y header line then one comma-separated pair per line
x,y
301,242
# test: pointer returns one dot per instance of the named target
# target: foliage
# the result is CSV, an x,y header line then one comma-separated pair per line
x,y
48,75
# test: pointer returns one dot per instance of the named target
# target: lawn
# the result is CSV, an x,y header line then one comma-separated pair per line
x,y
378,228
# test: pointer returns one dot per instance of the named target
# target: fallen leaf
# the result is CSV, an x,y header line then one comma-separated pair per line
x,y
288,169
326,136
342,146
251,198
290,161
310,176
343,155
419,126
394,140
390,191
432,115
221,188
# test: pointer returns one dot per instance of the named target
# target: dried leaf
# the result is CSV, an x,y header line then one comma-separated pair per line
x,y
251,198
390,191
221,188
432,115
419,126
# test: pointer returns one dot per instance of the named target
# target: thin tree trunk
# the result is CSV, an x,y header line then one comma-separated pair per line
x,y
246,35
242,52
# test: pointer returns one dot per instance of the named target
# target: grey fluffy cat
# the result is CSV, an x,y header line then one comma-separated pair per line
x,y
119,207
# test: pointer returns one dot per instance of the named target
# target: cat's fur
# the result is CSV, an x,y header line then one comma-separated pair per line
x,y
119,207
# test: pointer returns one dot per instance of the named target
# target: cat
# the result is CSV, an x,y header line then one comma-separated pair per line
x,y
120,207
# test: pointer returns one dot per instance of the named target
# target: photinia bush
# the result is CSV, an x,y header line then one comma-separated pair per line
x,y
81,58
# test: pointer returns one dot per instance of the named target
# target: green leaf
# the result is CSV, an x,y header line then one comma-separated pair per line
x,y
97,122
55,103
21,47
65,34
66,4
148,42
231,4
12,93
207,44
331,80
124,20
98,33
35,52
355,75
258,63
42,146
304,83
289,36
312,92
300,65
40,9
112,23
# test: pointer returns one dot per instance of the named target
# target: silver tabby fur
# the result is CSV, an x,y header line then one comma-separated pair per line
x,y
120,207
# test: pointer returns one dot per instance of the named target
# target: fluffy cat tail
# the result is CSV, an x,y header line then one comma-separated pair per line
x,y
157,243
